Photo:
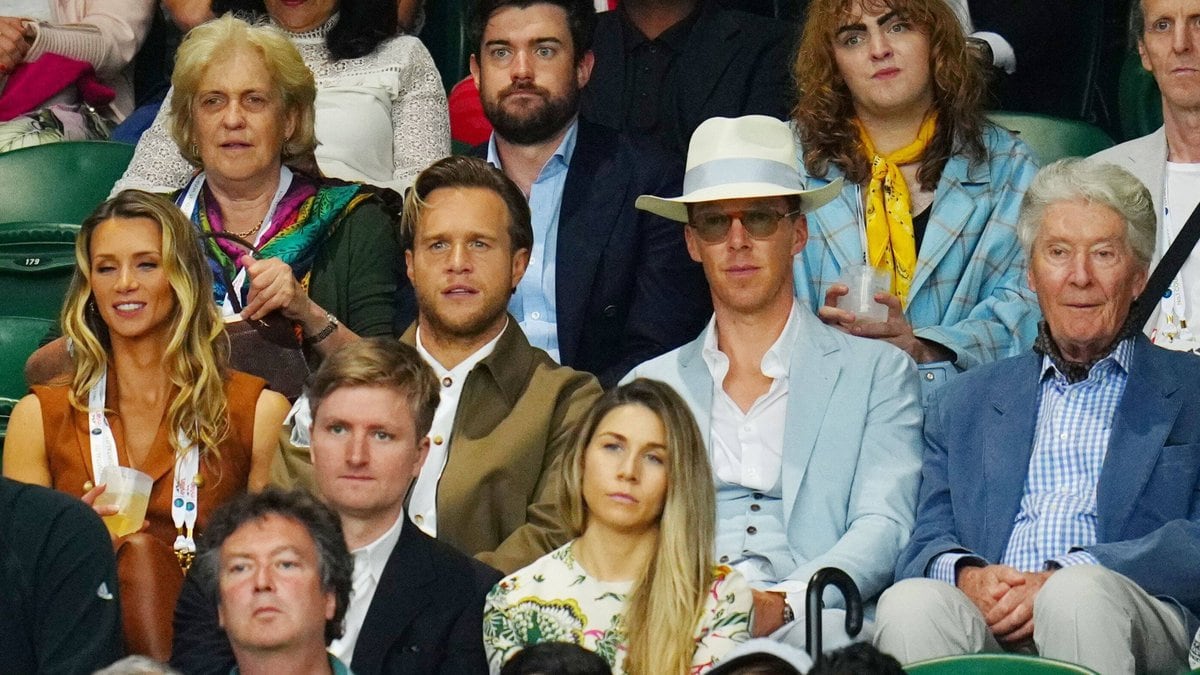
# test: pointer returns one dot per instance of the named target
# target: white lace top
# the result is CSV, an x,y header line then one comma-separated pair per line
x,y
380,118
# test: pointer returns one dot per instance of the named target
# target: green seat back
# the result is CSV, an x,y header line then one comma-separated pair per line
x,y
1139,104
19,337
995,664
59,182
445,35
37,261
1052,138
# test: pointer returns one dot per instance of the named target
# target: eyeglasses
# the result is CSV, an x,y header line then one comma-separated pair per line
x,y
713,228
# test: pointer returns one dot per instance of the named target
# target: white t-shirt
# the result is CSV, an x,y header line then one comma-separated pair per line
x,y
1177,322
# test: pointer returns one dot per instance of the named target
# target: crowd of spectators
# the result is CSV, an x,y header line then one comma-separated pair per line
x,y
722,301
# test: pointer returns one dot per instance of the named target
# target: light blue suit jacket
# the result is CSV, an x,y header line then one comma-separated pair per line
x,y
979,434
969,293
851,454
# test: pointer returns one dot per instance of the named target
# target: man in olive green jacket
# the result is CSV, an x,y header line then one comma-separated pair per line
x,y
507,411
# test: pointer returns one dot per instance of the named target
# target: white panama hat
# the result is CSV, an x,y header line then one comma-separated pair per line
x,y
739,158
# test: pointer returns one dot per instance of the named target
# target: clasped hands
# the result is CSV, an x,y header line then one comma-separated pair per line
x,y
895,329
1004,597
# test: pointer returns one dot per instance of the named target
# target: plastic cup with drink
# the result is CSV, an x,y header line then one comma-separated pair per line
x,y
128,490
864,281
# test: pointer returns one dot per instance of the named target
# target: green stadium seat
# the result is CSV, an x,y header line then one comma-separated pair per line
x,y
37,261
1052,138
19,337
1139,103
59,182
995,664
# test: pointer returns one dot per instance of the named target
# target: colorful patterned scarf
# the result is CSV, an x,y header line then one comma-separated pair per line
x,y
891,243
307,215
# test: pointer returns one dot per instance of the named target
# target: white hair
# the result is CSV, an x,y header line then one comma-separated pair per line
x,y
1077,179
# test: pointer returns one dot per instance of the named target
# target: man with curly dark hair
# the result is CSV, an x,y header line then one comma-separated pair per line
x,y
283,574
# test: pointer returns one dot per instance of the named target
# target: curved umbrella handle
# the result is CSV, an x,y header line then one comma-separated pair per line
x,y
824,577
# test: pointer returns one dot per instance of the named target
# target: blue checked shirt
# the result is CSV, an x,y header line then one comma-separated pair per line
x,y
1058,508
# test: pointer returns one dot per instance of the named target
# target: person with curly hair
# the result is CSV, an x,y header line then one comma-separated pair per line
x,y
892,101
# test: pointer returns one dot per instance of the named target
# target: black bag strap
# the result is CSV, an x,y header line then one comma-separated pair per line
x,y
1167,269
251,248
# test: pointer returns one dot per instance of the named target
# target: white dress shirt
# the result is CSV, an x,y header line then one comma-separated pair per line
x,y
747,447
422,503
369,562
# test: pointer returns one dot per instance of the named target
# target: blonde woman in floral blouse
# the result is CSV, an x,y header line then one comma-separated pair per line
x,y
637,585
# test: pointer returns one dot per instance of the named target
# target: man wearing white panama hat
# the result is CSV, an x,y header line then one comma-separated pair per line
x,y
814,435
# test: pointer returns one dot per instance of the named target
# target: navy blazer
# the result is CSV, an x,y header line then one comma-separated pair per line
x,y
979,432
626,288
734,64
426,615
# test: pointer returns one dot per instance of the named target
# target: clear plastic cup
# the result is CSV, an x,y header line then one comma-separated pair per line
x,y
129,490
864,281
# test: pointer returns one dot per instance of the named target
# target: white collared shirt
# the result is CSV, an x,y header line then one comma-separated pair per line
x,y
423,502
747,447
369,562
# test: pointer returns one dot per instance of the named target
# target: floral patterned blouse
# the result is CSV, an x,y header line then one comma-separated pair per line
x,y
555,600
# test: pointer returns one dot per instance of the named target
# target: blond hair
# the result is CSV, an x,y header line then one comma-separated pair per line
x,y
666,603
293,80
380,362
197,352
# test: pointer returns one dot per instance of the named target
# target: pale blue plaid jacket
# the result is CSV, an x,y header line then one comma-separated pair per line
x,y
970,292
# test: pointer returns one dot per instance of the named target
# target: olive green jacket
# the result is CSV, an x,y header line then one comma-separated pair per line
x,y
496,497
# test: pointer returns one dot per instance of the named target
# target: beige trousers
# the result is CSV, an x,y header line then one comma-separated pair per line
x,y
1084,614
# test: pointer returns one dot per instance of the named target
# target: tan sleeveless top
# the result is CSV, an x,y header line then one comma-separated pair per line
x,y
68,452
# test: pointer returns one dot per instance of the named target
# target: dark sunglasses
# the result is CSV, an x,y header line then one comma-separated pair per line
x,y
713,228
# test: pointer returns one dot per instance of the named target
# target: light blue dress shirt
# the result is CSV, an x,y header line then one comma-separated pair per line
x,y
533,304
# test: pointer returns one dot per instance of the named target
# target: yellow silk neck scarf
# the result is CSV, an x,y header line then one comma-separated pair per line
x,y
891,243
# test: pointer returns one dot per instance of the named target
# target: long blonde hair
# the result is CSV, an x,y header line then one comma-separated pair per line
x,y
666,603
197,353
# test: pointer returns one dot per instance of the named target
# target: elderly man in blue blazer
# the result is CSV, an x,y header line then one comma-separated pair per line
x,y
814,435
1060,506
